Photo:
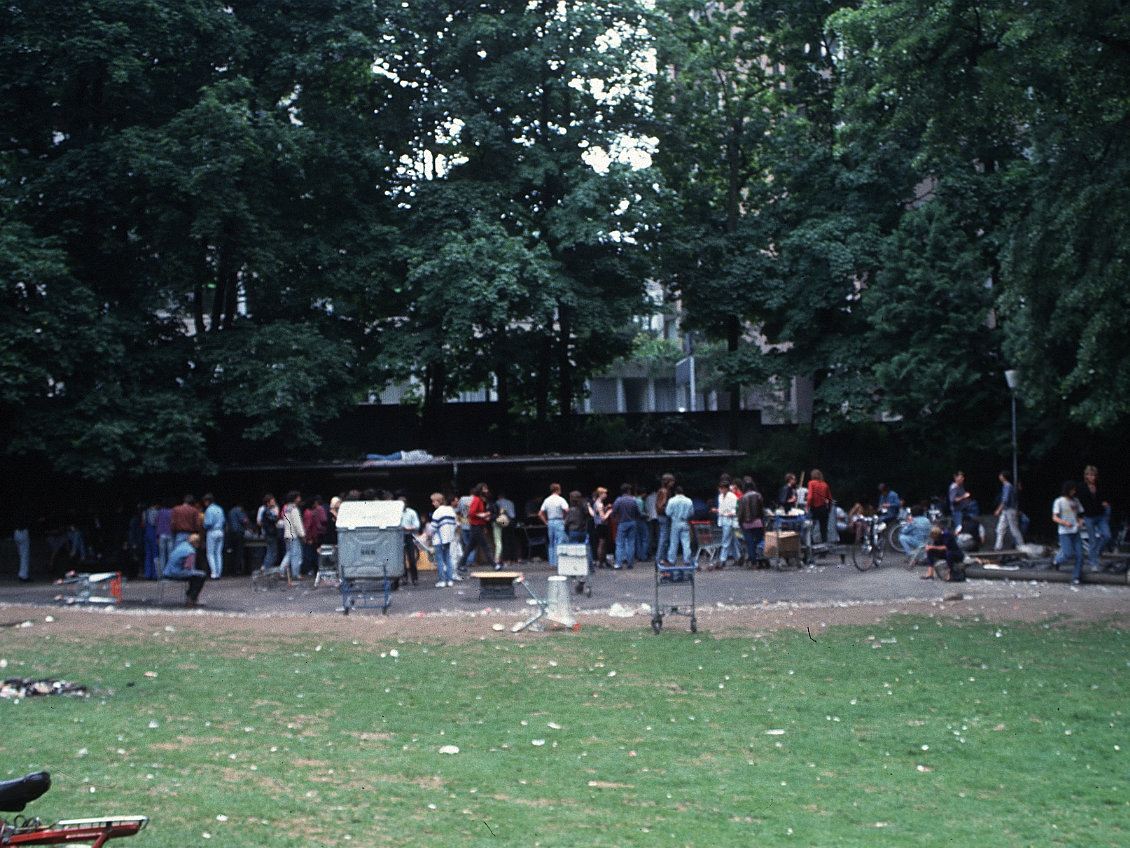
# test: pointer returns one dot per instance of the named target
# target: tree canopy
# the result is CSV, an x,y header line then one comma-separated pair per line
x,y
228,222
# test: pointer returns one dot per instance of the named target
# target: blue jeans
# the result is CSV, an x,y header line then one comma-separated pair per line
x,y
731,548
443,562
555,533
625,542
1098,536
680,535
152,552
664,538
293,556
754,536
643,538
270,552
214,548
164,548
1070,545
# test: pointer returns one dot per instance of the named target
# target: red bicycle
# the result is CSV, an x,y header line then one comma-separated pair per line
x,y
16,794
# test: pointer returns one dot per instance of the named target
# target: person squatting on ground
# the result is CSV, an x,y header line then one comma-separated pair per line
x,y
182,566
915,534
943,546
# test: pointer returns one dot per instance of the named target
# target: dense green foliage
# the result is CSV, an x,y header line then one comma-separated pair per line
x,y
229,222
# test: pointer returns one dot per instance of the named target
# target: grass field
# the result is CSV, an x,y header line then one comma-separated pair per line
x,y
923,731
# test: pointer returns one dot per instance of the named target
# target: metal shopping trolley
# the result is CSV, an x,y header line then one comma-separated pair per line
x,y
668,577
708,541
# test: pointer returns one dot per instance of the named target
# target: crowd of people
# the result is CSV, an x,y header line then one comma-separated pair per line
x,y
197,539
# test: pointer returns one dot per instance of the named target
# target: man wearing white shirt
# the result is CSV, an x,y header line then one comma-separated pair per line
x,y
552,514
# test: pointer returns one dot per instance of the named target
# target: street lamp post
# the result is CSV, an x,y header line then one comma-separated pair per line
x,y
1012,377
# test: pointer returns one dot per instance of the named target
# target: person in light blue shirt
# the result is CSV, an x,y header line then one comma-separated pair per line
x,y
680,509
182,566
214,521
915,534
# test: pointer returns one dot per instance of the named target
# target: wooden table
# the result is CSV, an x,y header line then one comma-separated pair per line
x,y
496,585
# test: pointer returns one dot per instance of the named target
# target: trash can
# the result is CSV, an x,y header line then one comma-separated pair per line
x,y
370,551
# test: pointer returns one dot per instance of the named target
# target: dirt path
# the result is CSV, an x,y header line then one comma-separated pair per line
x,y
984,601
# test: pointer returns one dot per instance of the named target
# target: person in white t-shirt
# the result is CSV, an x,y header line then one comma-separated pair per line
x,y
1067,513
552,514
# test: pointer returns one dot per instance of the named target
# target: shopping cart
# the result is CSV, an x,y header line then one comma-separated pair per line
x,y
708,539
667,578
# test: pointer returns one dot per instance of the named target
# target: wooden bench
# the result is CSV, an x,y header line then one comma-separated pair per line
x,y
496,585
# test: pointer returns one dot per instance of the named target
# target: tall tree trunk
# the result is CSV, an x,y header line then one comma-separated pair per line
x,y
502,417
564,366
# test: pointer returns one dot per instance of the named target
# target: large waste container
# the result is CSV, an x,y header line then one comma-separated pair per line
x,y
370,551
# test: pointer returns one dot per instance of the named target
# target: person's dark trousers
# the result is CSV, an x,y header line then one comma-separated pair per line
x,y
478,543
235,545
820,519
410,555
309,558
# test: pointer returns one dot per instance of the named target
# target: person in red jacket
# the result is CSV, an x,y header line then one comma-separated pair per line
x,y
478,513
819,502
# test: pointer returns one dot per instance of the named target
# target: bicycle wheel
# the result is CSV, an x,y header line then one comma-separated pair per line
x,y
861,554
878,549
894,536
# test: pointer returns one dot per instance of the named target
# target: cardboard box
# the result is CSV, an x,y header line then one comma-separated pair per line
x,y
782,544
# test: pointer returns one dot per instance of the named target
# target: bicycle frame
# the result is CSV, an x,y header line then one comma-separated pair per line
x,y
94,832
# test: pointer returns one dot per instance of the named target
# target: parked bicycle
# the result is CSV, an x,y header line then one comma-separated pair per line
x,y
95,832
870,545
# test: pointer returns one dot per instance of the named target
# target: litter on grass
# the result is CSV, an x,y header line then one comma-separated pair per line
x,y
23,687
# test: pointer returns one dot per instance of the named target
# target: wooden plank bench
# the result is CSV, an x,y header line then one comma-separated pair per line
x,y
496,585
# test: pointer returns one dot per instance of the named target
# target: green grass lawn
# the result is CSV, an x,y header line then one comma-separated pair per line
x,y
923,732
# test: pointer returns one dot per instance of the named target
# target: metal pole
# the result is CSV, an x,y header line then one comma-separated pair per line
x,y
1015,479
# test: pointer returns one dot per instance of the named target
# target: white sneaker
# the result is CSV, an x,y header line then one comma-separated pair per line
x,y
441,584
450,584
458,577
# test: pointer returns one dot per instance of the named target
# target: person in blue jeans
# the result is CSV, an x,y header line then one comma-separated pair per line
x,y
1096,515
680,510
1067,514
626,509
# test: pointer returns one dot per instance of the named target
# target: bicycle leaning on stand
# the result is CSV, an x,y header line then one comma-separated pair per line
x,y
96,832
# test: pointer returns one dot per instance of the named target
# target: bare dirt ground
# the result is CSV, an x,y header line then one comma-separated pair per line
x,y
737,604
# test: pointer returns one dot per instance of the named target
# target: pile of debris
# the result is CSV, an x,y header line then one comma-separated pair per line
x,y
26,687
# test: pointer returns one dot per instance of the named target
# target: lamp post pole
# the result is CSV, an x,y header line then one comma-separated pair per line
x,y
1013,380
